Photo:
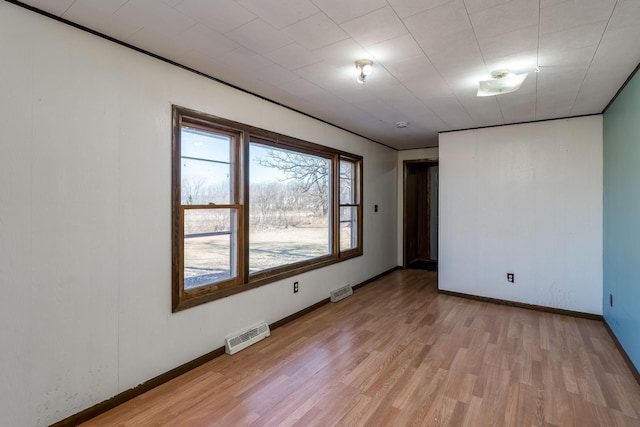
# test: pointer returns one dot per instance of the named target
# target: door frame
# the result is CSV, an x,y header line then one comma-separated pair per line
x,y
405,163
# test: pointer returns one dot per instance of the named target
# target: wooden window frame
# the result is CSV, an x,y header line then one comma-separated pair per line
x,y
357,203
244,135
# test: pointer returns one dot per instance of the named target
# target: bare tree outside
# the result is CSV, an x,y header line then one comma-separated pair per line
x,y
289,207
310,173
289,201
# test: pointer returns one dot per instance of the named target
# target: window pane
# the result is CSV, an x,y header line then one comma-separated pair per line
x,y
209,246
289,207
347,183
348,227
205,183
205,168
199,144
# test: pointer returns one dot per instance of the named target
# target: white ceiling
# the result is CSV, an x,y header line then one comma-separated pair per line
x,y
428,55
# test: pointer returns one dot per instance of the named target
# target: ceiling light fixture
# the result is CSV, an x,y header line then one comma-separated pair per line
x,y
502,81
364,67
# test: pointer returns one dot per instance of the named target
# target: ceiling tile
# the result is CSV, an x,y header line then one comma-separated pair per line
x,y
276,75
245,61
155,18
560,79
625,14
379,80
573,38
317,103
522,109
394,50
506,44
572,13
614,58
451,112
206,65
440,25
519,106
383,111
56,8
280,13
165,45
341,11
428,57
467,58
406,8
345,51
344,115
505,18
411,69
292,56
316,31
518,62
92,7
474,6
548,3
483,109
204,40
100,17
220,15
302,88
414,136
554,106
259,36
550,58
596,92
428,88
329,76
266,90
375,27
401,98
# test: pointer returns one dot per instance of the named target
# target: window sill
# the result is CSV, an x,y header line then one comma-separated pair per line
x,y
192,299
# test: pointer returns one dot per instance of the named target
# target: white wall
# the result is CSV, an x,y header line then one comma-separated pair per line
x,y
435,210
85,211
525,199
418,154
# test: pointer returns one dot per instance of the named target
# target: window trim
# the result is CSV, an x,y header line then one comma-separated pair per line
x,y
357,168
245,135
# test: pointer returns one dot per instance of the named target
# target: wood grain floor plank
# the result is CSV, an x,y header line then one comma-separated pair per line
x,y
397,353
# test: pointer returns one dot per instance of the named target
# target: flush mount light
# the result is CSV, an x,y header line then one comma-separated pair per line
x,y
364,67
502,81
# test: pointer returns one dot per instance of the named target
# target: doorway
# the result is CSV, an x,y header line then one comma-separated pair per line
x,y
420,214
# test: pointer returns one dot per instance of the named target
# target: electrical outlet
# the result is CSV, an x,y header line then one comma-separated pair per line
x,y
375,208
295,287
511,278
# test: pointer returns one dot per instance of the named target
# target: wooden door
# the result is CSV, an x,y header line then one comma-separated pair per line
x,y
420,217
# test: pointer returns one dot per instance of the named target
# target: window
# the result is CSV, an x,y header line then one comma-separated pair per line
x,y
289,207
349,205
251,207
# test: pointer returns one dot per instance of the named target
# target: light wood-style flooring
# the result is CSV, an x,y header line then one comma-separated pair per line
x,y
397,353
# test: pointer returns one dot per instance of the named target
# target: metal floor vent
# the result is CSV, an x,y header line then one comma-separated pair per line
x,y
244,339
341,293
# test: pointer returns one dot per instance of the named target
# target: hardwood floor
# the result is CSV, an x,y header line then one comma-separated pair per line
x,y
398,354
